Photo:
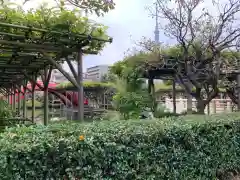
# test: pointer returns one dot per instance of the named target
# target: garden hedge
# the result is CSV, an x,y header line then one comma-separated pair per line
x,y
184,148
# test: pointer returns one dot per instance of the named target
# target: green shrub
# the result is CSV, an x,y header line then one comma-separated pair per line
x,y
161,111
184,148
37,103
111,115
131,104
5,110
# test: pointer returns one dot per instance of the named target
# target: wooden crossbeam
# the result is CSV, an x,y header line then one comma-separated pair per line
x,y
17,66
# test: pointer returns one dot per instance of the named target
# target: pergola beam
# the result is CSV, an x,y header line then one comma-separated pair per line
x,y
49,47
54,32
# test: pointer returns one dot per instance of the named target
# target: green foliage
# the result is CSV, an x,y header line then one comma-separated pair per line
x,y
130,65
5,110
52,19
7,116
131,104
131,98
161,111
189,147
86,84
38,104
111,115
109,78
98,7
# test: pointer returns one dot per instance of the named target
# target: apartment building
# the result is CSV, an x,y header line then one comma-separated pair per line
x,y
96,73
58,77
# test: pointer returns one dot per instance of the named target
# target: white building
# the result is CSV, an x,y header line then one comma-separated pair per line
x,y
97,72
58,77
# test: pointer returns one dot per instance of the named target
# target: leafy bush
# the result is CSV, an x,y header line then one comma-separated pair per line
x,y
111,115
130,99
5,110
131,104
193,147
38,104
7,116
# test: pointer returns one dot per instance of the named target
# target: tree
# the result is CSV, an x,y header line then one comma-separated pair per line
x,y
229,82
202,35
109,77
131,98
98,7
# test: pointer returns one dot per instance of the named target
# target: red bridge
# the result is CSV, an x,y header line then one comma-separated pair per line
x,y
67,97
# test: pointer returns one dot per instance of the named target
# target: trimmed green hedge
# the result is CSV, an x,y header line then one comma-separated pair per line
x,y
186,148
87,84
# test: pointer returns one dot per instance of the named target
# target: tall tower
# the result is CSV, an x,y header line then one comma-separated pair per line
x,y
156,32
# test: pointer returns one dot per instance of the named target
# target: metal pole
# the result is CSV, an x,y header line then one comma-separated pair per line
x,y
80,89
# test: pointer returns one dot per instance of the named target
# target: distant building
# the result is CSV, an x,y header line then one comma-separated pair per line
x,y
58,77
96,73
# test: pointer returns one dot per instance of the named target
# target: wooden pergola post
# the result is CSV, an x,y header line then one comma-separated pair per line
x,y
19,101
24,100
33,99
80,89
8,97
11,97
174,95
14,99
151,91
45,78
76,80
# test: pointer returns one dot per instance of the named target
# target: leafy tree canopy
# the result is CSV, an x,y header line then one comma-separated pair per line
x,y
130,67
98,7
53,19
122,68
86,84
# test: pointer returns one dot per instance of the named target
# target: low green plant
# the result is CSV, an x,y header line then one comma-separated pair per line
x,y
5,110
162,111
130,99
131,104
37,103
189,147
111,115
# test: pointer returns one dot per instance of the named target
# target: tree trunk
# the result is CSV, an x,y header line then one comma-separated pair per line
x,y
200,107
232,96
